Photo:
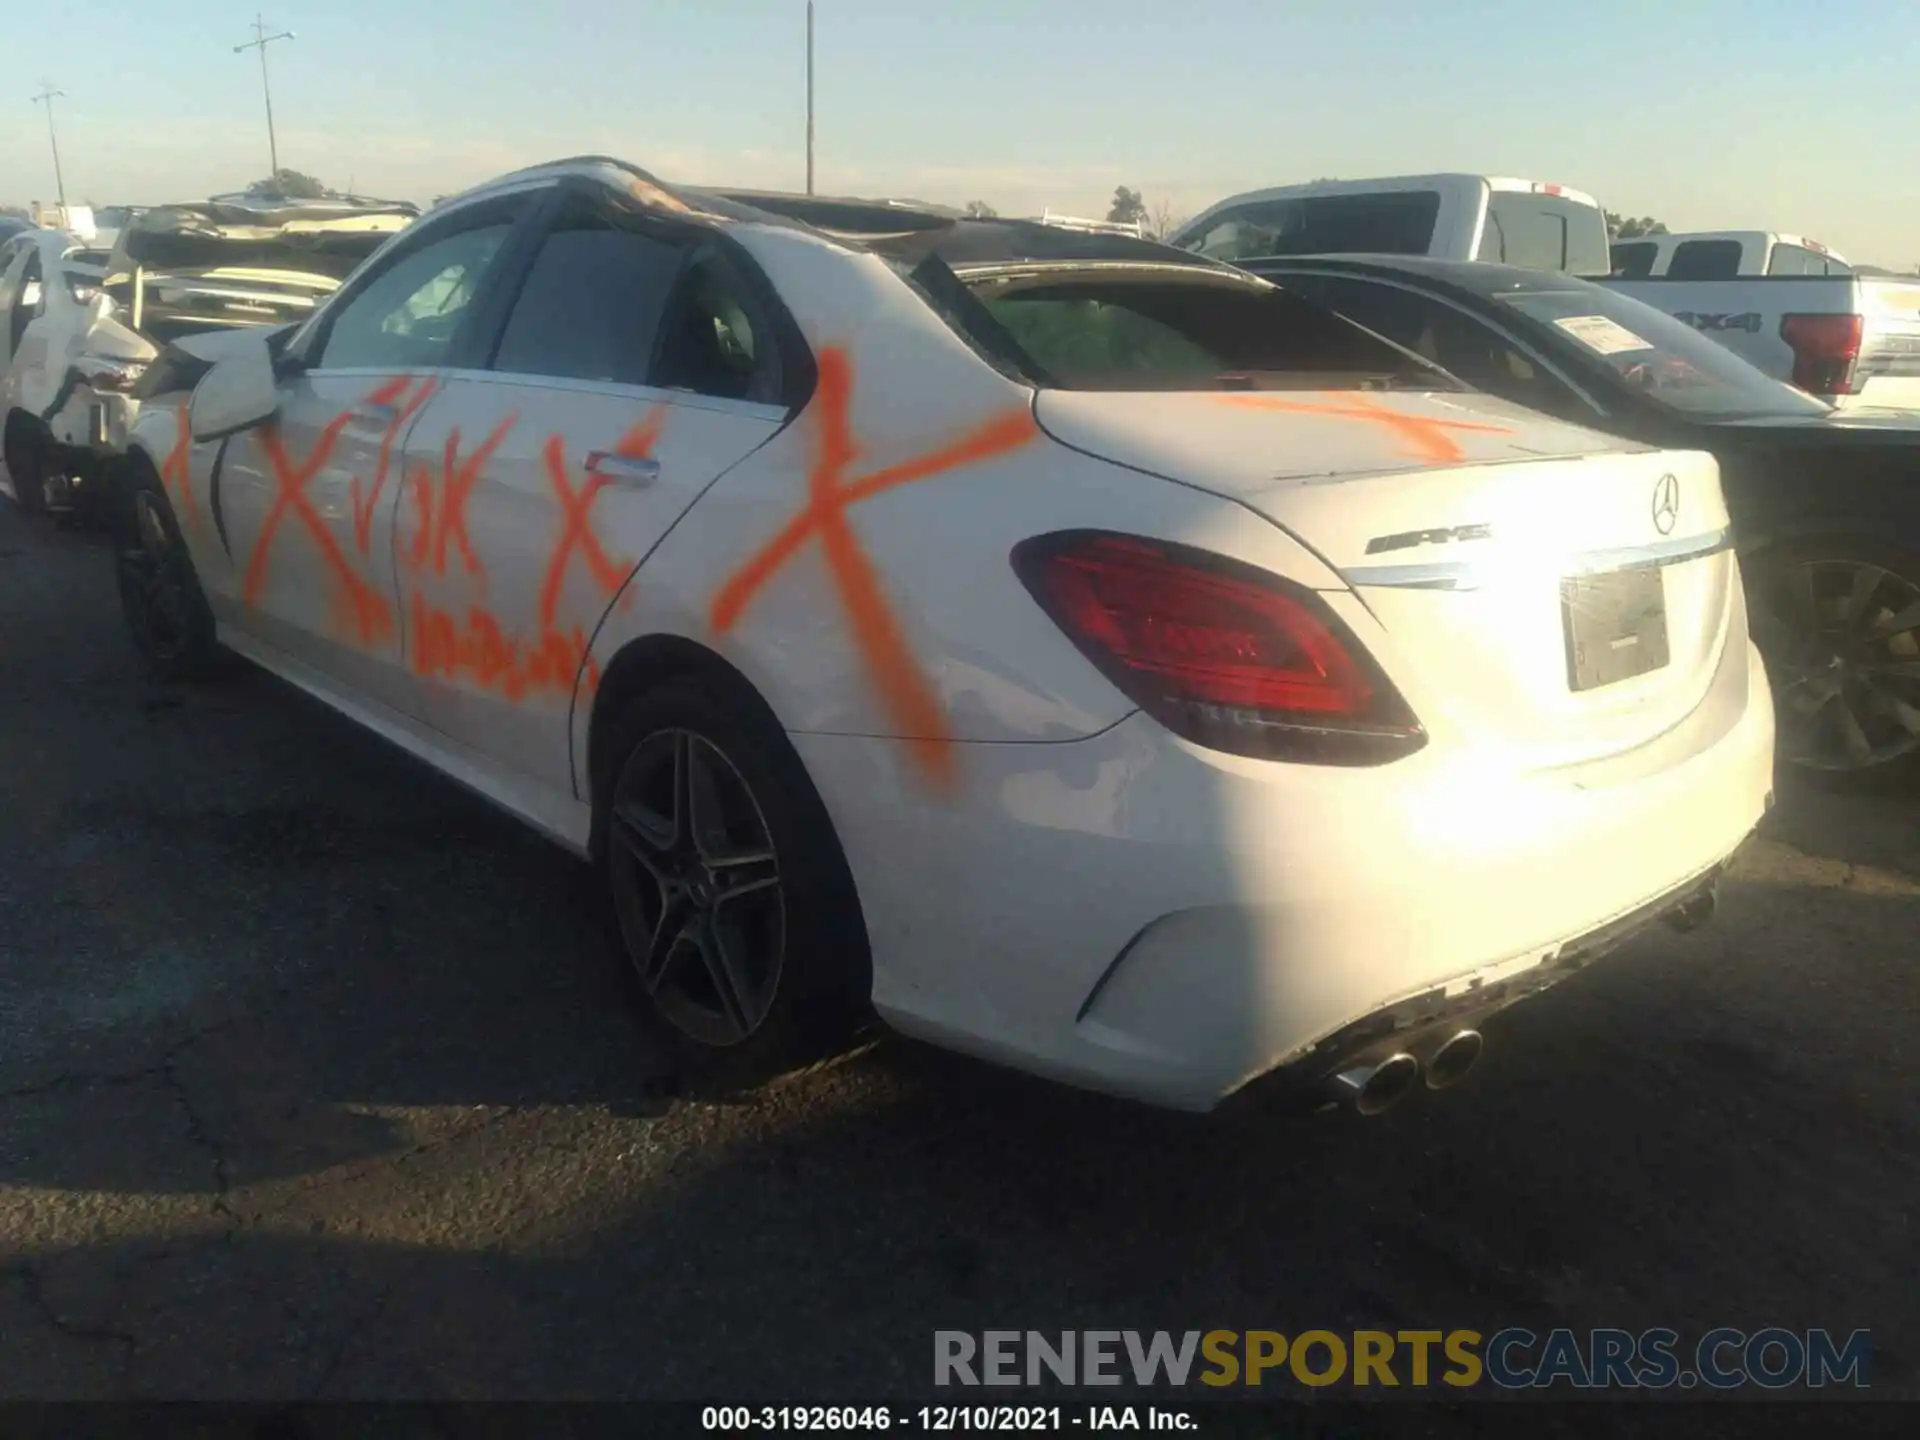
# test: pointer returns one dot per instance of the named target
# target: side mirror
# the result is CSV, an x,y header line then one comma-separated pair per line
x,y
238,393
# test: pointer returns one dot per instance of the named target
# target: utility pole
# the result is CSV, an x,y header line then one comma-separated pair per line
x,y
46,97
261,39
809,97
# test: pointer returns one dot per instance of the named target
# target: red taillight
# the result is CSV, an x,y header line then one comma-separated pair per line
x,y
1825,349
1221,653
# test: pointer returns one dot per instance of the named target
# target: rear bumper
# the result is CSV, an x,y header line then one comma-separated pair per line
x,y
1884,392
1135,915
1420,1024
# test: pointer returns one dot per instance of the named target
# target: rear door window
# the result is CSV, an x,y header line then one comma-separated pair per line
x,y
1705,260
1633,259
1390,222
716,340
592,303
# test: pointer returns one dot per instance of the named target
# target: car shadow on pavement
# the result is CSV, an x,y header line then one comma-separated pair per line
x,y
1636,1151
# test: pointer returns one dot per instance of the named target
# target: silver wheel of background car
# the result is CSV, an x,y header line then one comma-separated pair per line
x,y
697,888
1841,637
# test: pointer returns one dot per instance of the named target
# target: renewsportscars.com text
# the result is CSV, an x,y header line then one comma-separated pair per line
x,y
1512,1359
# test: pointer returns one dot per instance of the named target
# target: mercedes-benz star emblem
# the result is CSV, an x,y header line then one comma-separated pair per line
x,y
1666,504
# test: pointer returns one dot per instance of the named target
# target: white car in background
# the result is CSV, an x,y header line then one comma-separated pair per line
x,y
1534,224
1788,306
79,325
1082,653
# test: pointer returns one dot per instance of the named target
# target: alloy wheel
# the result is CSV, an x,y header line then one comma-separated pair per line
x,y
697,888
1842,642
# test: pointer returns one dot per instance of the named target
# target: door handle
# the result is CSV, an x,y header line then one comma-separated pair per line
x,y
378,413
635,470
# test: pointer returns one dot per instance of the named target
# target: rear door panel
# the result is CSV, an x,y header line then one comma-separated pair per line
x,y
622,383
514,541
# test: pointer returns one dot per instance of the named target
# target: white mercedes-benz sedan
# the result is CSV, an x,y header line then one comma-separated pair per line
x,y
1070,650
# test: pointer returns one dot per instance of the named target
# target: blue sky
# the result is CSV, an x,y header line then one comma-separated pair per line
x,y
1707,113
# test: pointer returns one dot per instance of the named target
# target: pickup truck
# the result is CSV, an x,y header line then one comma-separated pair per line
x,y
1853,340
1724,255
1528,223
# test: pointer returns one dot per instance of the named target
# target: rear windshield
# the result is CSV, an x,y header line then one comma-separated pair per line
x,y
1154,331
1544,232
1633,259
1389,222
1671,363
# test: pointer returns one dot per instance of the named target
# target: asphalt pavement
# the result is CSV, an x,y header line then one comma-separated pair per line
x,y
315,1082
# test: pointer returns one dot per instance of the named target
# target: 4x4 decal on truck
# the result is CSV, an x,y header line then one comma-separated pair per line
x,y
1749,322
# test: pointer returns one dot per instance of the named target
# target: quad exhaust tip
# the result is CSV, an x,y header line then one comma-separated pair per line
x,y
1452,1061
1372,1089
1375,1089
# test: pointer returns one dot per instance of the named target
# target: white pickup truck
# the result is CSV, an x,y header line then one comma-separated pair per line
x,y
1790,307
1724,255
1529,223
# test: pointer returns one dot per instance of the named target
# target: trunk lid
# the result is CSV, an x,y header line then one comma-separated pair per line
x,y
1550,593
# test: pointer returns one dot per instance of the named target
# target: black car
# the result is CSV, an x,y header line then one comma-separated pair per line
x,y
1825,503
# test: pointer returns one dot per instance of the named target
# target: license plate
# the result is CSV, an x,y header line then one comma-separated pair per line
x,y
1616,626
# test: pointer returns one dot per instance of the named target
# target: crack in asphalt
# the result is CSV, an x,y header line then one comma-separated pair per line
x,y
37,1299
169,1057
61,1083
198,1134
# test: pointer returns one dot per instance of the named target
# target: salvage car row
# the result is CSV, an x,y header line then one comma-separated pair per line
x,y
1079,651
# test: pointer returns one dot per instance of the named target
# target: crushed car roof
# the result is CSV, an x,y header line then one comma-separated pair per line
x,y
207,234
905,230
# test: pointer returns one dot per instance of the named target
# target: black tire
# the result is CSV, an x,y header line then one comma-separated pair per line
x,y
26,467
1838,623
795,949
166,611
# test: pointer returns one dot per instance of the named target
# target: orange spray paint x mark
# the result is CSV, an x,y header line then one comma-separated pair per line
x,y
575,530
387,394
178,470
1426,438
373,618
458,479
905,691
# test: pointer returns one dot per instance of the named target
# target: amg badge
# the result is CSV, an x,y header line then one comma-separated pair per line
x,y
1429,537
